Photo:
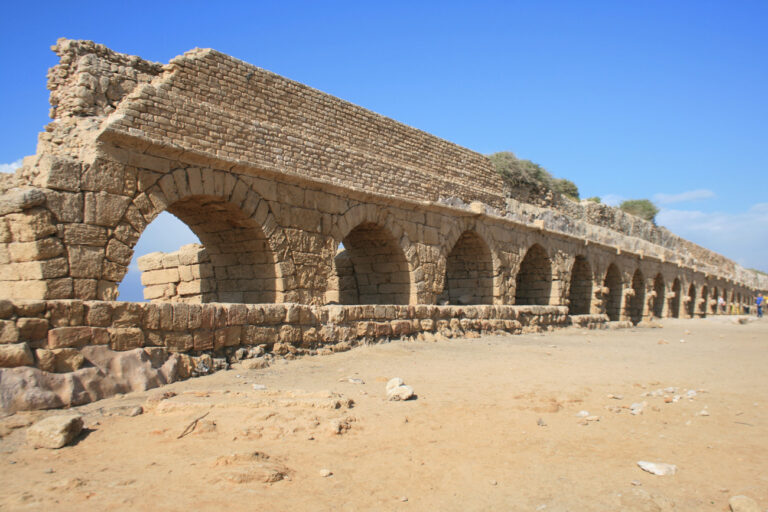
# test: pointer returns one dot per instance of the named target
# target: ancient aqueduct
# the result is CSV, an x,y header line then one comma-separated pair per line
x,y
272,176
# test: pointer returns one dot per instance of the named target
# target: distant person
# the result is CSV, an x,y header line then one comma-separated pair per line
x,y
721,304
759,303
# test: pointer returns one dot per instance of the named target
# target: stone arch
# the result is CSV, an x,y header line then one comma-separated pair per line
x,y
371,268
690,305
580,290
612,298
637,298
469,272
248,250
657,307
534,278
702,309
361,214
675,298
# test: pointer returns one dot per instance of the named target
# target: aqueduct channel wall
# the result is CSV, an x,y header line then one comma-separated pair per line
x,y
300,198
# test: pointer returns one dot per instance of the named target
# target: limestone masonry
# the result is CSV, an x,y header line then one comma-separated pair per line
x,y
302,202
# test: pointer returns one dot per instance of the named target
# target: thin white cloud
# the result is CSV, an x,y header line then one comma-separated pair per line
x,y
742,236
11,167
689,195
612,199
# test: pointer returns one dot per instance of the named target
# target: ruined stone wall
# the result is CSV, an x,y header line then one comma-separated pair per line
x,y
272,176
49,334
186,275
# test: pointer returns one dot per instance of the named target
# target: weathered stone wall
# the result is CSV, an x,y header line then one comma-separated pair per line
x,y
49,334
272,176
186,275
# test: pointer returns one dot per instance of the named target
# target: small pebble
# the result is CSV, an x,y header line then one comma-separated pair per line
x,y
325,473
636,483
540,422
403,498
49,471
259,387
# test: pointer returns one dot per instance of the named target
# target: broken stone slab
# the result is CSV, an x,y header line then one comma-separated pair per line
x,y
398,391
55,432
657,468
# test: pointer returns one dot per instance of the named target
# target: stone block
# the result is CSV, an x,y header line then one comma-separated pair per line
x,y
170,275
85,261
67,360
98,313
32,329
179,342
203,340
55,432
9,333
125,338
85,234
119,252
127,314
67,337
31,225
46,360
43,249
104,209
227,336
15,354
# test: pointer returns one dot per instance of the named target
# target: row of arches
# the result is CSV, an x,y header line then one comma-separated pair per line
x,y
369,259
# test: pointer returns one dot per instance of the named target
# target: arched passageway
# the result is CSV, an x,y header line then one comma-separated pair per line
x,y
690,305
713,301
657,308
534,279
242,260
677,296
613,297
637,299
468,272
702,310
370,268
580,291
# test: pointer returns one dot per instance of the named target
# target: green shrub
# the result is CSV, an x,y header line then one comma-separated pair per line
x,y
642,208
594,199
517,171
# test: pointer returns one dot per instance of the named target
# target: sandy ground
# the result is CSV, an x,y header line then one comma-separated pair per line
x,y
494,427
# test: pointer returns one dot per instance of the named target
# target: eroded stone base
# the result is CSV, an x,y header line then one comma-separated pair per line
x,y
73,352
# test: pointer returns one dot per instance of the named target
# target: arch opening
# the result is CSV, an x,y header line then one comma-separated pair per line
x,y
713,302
674,303
370,268
702,309
468,272
637,299
613,298
690,306
580,291
534,279
233,261
658,300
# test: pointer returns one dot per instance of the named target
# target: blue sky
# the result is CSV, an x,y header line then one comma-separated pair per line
x,y
654,99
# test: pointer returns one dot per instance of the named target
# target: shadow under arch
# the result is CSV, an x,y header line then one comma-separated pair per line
x,y
369,268
248,251
690,305
468,272
612,299
534,278
702,309
657,308
674,302
580,290
637,299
